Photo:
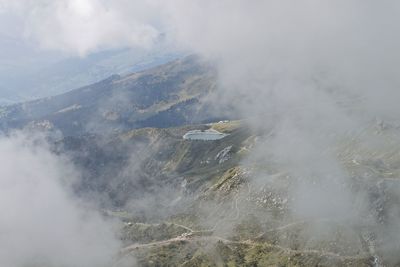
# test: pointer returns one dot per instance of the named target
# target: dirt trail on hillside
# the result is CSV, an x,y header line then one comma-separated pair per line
x,y
190,238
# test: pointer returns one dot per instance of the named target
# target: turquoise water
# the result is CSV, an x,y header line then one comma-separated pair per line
x,y
206,135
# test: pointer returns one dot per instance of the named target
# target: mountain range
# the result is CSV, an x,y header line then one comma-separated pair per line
x,y
195,202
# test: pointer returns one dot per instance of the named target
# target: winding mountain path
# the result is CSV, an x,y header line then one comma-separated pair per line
x,y
190,238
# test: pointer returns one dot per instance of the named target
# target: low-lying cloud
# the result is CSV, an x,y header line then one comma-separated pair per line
x,y
41,222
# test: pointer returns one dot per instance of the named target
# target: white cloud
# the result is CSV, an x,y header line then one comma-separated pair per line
x,y
314,71
83,26
41,223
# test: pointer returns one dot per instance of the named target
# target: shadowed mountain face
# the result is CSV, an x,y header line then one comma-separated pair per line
x,y
168,95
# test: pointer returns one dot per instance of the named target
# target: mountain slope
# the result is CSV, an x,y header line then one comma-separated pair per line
x,y
198,203
164,96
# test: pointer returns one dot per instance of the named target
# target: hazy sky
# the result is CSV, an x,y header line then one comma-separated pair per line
x,y
338,36
78,26
41,40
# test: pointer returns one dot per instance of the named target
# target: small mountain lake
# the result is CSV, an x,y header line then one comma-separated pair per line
x,y
205,135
